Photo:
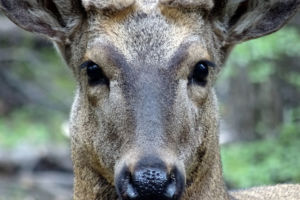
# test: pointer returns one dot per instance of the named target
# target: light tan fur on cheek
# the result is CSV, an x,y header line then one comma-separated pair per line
x,y
184,124
197,94
97,94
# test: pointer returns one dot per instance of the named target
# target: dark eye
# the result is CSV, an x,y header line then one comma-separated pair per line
x,y
200,73
95,74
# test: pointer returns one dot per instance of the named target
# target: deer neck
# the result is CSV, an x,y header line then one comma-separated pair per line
x,y
89,185
207,181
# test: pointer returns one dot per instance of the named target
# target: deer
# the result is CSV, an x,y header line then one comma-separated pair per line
x,y
144,123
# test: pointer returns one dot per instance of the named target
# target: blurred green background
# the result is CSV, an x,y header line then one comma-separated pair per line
x,y
259,93
263,109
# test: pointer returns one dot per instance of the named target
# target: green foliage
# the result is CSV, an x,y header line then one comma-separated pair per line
x,y
275,158
259,55
260,72
268,47
14,193
48,82
32,125
293,78
265,162
44,69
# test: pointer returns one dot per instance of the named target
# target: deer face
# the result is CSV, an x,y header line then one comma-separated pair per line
x,y
145,103
145,116
157,104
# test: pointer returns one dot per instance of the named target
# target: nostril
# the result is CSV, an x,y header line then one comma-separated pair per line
x,y
124,185
131,192
170,191
171,187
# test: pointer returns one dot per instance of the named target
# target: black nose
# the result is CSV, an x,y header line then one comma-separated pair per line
x,y
150,181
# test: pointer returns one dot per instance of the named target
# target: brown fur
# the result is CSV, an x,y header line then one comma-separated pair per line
x,y
203,4
106,4
147,49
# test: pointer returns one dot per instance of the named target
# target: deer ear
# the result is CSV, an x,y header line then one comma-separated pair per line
x,y
241,20
52,18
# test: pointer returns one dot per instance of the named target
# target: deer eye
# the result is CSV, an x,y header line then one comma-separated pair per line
x,y
200,73
95,74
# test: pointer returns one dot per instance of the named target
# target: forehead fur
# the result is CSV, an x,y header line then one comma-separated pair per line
x,y
121,4
149,38
202,4
107,4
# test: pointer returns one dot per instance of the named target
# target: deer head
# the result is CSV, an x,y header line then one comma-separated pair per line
x,y
144,120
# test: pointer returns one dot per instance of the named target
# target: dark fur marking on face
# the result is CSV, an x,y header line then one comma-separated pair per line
x,y
179,56
127,78
116,57
120,61
93,100
199,157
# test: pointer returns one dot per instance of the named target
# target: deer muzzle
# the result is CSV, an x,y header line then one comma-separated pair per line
x,y
150,179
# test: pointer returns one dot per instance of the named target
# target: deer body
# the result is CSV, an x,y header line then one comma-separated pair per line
x,y
144,121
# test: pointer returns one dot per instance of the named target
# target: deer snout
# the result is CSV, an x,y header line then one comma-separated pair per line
x,y
150,179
